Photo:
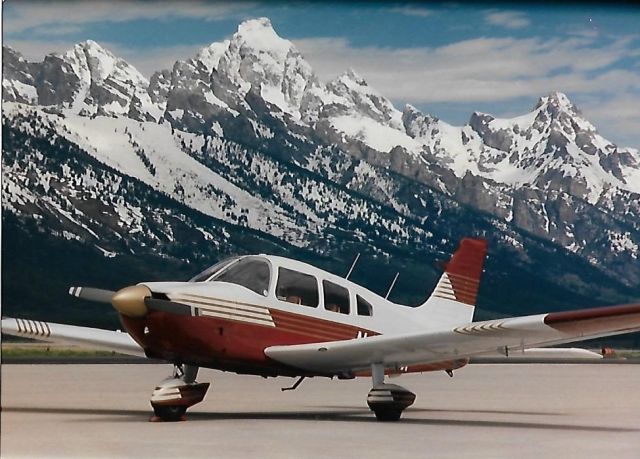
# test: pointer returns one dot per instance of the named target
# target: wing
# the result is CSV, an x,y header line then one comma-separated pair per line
x,y
540,355
473,339
92,337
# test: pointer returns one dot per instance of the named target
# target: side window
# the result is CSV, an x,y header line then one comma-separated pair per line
x,y
336,298
364,308
298,288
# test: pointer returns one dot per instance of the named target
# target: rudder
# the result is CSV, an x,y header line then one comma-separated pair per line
x,y
454,298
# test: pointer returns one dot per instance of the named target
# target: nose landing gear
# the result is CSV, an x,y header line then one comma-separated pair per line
x,y
174,395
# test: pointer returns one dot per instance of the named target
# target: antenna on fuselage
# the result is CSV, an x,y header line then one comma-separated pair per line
x,y
393,283
353,265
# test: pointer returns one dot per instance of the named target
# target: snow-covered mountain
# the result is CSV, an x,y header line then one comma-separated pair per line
x,y
243,139
86,79
552,148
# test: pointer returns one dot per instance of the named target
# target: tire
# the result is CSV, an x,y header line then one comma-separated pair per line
x,y
388,415
170,413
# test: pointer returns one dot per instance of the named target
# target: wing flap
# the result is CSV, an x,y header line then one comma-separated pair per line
x,y
469,340
92,337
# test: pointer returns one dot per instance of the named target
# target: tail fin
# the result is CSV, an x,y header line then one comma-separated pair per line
x,y
454,298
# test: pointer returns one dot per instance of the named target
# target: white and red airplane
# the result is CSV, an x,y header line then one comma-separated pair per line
x,y
273,316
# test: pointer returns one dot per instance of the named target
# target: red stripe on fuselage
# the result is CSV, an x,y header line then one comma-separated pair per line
x,y
229,344
320,329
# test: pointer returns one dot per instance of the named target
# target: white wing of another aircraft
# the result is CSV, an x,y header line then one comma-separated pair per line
x,y
92,337
473,339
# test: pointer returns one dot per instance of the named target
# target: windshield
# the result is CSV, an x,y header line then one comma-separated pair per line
x,y
211,270
252,273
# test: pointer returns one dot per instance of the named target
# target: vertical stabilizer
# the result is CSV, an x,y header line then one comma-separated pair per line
x,y
454,298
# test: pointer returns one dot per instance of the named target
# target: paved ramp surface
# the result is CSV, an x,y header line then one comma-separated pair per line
x,y
485,411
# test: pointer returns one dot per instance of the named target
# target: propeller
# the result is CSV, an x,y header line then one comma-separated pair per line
x,y
92,294
134,301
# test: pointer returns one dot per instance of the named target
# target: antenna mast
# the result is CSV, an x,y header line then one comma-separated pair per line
x,y
353,265
393,283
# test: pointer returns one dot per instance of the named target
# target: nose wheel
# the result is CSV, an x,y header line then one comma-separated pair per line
x,y
171,398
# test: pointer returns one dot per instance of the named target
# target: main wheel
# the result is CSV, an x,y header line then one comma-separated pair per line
x,y
170,412
388,415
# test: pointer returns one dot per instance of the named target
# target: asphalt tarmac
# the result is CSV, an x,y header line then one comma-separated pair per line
x,y
485,411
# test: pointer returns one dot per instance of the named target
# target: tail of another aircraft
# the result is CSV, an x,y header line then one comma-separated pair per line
x,y
454,298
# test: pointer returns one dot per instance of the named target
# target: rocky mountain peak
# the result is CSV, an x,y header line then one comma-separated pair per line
x,y
258,35
257,58
18,77
557,100
560,114
351,75
210,55
417,124
357,97
91,61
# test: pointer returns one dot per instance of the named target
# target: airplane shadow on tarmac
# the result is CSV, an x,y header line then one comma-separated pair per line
x,y
335,415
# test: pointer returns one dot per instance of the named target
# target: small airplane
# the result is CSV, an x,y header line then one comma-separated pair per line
x,y
274,316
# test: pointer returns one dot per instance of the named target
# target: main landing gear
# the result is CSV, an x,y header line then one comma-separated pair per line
x,y
387,401
174,395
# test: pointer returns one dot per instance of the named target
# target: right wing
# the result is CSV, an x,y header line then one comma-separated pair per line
x,y
467,340
95,338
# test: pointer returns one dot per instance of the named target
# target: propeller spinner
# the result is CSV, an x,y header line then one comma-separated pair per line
x,y
130,301
134,301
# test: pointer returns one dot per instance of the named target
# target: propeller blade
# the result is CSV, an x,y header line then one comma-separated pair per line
x,y
92,294
168,306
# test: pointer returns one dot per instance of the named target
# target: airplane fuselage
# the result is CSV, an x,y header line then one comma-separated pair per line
x,y
230,325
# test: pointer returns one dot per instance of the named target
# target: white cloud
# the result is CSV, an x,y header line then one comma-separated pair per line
x,y
507,19
147,61
490,70
617,118
482,69
35,50
471,71
410,10
27,16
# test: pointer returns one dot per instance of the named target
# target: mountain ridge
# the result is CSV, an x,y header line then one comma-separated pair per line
x,y
244,134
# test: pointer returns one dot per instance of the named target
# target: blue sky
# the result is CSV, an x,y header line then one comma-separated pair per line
x,y
447,59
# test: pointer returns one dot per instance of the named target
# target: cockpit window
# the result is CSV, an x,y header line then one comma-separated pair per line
x,y
296,287
211,270
252,273
336,298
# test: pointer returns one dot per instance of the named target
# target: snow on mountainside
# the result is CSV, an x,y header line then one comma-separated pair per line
x,y
244,132
217,82
176,164
87,79
552,148
151,153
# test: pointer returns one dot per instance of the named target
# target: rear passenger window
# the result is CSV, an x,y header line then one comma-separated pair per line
x,y
298,288
336,298
364,308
